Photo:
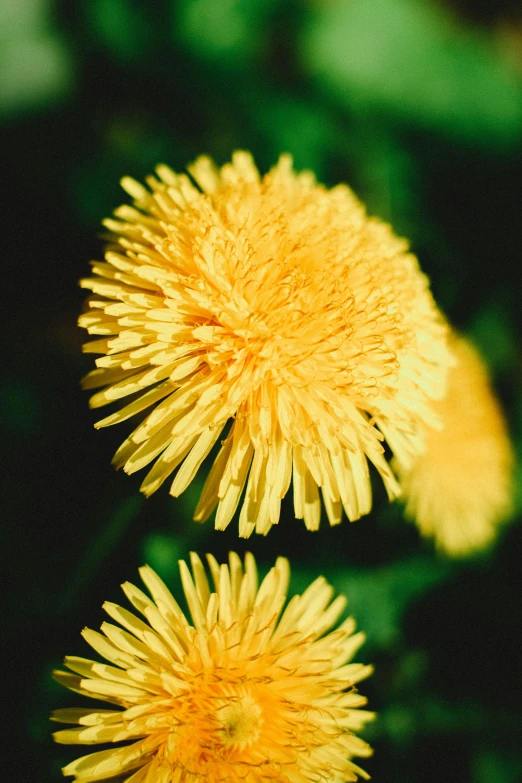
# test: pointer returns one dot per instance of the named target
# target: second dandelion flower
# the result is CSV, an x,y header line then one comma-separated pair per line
x,y
244,689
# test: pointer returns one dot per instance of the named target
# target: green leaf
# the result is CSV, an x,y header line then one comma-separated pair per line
x,y
122,26
161,552
379,597
295,126
227,31
19,406
102,545
20,18
492,331
35,69
492,766
406,57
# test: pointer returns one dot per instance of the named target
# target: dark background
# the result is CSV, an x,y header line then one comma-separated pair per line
x,y
418,105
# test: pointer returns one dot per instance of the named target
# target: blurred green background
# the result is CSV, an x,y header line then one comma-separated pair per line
x,y
418,105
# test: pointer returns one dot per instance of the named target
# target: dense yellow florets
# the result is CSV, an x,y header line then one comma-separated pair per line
x,y
245,691
460,488
271,314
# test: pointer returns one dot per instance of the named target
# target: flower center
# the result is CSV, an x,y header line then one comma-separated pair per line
x,y
239,721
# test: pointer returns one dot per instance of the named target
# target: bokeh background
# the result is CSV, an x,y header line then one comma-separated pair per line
x,y
418,105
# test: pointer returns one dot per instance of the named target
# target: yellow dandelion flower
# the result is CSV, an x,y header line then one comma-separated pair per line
x,y
271,313
246,691
461,487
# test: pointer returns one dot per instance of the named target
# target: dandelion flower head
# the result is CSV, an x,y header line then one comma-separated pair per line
x,y
271,314
245,690
461,487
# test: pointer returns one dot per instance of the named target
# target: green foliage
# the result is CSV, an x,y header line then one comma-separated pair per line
x,y
162,551
35,65
405,57
19,408
123,27
228,32
379,597
103,545
493,333
491,766
294,126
